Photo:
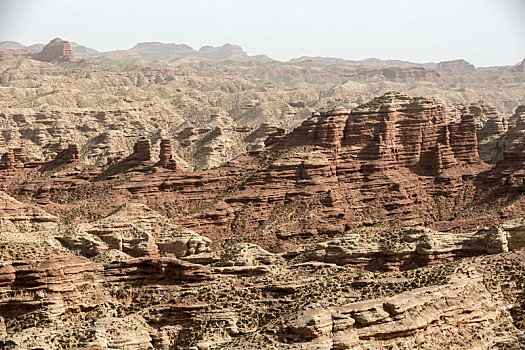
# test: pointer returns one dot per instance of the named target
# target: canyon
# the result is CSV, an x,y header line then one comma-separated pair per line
x,y
207,199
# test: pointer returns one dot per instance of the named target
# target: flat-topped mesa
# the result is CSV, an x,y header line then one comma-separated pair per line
x,y
455,66
57,50
141,151
165,155
68,155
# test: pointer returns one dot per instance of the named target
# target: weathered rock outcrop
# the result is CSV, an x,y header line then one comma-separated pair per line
x,y
21,222
10,54
392,154
464,302
137,231
166,156
491,127
380,150
8,160
15,158
49,286
141,151
142,271
68,155
513,138
415,246
57,50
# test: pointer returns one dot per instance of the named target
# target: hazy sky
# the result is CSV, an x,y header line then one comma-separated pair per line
x,y
484,32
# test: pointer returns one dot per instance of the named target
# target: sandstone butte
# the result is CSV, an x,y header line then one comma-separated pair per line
x,y
57,50
276,248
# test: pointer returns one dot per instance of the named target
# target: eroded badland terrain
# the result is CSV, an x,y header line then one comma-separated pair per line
x,y
170,198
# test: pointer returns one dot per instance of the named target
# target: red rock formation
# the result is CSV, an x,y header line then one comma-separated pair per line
x,y
141,151
156,270
68,155
13,159
114,158
9,54
491,126
165,155
342,160
382,161
49,286
8,160
57,50
20,155
463,139
508,175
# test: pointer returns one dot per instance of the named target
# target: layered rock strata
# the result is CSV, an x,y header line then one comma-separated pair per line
x,y
387,157
68,155
491,127
49,286
415,247
165,156
464,302
137,231
456,66
381,150
57,50
141,151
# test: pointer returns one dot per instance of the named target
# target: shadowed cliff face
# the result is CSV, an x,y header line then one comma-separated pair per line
x,y
57,50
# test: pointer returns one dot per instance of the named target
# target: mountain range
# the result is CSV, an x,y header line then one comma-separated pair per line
x,y
158,50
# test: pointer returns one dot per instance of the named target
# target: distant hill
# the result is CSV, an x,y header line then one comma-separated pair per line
x,y
456,66
371,62
79,50
175,51
158,50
